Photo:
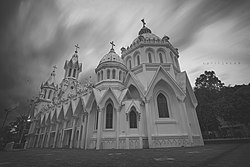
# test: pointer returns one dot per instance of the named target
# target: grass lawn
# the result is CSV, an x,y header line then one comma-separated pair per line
x,y
209,155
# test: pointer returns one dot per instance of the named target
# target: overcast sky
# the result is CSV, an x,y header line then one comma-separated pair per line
x,y
35,35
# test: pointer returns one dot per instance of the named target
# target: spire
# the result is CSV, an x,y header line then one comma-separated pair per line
x,y
112,46
51,79
143,22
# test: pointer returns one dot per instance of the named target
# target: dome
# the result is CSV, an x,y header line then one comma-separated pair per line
x,y
111,57
146,36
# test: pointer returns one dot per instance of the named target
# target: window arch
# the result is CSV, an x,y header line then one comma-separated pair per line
x,y
138,60
120,75
98,77
109,116
108,74
161,58
113,74
74,73
50,91
45,92
162,106
130,64
132,119
101,75
149,58
69,72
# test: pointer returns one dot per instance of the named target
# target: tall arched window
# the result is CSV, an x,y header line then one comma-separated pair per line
x,y
45,92
130,65
162,106
96,119
109,116
149,58
74,73
138,60
101,75
98,77
108,74
69,74
132,119
50,91
120,75
161,59
113,74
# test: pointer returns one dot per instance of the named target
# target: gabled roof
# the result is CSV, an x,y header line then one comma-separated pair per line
x,y
107,94
123,95
177,89
136,82
79,107
129,105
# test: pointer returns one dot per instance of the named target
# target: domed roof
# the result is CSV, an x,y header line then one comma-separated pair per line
x,y
146,36
111,57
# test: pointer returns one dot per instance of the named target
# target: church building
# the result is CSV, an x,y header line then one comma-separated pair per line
x,y
141,99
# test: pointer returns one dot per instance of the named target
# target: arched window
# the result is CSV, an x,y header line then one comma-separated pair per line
x,y
120,75
149,58
108,74
45,91
98,77
130,65
132,119
124,75
74,73
138,60
96,119
161,59
101,75
69,74
162,106
113,74
109,116
50,91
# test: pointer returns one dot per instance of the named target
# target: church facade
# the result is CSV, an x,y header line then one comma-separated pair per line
x,y
141,100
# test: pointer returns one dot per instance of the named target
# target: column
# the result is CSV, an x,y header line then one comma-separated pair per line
x,y
54,142
85,132
48,139
127,128
80,131
117,127
44,134
149,124
73,133
186,121
38,137
98,142
64,126
140,129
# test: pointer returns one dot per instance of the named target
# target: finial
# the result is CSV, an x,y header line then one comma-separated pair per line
x,y
77,47
112,45
143,22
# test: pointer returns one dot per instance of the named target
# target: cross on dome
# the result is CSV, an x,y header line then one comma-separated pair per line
x,y
143,22
77,47
112,45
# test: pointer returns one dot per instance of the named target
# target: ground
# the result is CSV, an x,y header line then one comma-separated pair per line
x,y
216,155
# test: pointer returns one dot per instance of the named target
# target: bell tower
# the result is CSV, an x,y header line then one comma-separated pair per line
x,y
73,67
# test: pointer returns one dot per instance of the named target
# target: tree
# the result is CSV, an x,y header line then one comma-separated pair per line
x,y
207,91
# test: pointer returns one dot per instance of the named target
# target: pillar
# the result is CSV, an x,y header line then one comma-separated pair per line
x,y
85,132
62,136
47,142
73,133
98,142
117,127
80,132
149,123
54,142
140,130
44,134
